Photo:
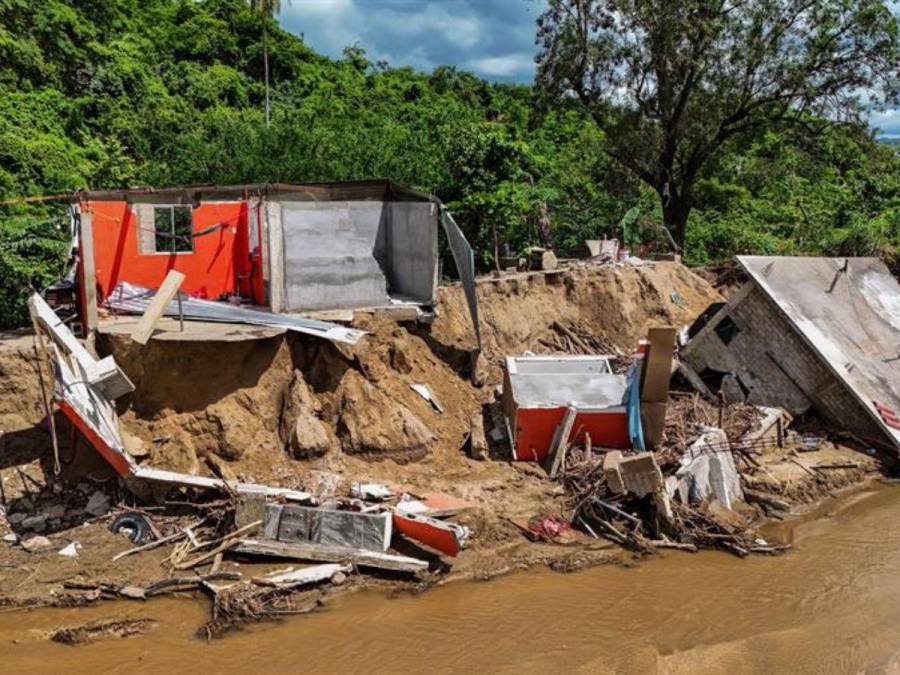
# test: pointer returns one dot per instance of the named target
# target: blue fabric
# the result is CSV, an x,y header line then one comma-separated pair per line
x,y
633,406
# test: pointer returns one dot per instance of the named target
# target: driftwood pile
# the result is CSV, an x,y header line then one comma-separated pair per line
x,y
246,603
687,415
574,339
636,522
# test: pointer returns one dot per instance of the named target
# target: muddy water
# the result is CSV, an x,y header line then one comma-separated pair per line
x,y
831,605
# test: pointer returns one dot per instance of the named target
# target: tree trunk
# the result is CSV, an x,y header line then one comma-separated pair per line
x,y
266,69
676,209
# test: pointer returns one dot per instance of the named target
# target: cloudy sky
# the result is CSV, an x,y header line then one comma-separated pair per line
x,y
492,38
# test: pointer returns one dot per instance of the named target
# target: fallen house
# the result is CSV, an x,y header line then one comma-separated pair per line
x,y
85,388
809,333
289,249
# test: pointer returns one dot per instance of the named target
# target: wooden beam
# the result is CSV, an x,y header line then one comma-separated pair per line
x,y
323,553
157,307
561,441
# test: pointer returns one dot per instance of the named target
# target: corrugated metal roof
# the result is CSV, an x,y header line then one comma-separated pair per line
x,y
134,299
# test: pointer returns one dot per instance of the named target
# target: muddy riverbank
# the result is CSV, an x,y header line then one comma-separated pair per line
x,y
832,604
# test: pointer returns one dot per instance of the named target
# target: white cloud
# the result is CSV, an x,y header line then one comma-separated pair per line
x,y
886,121
509,65
494,38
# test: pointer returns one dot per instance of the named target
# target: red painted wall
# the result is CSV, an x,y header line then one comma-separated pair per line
x,y
535,428
211,270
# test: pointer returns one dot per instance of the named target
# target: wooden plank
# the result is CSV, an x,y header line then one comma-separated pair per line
x,y
321,553
157,307
89,276
658,371
561,441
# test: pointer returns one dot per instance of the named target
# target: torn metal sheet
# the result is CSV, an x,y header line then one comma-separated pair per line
x,y
375,492
425,392
134,299
448,538
465,266
103,375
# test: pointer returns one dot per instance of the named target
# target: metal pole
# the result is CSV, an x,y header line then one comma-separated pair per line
x,y
180,312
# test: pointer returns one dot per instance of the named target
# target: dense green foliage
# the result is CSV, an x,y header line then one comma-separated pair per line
x,y
105,93
672,83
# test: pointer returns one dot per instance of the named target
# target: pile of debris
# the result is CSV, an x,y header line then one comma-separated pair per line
x,y
637,464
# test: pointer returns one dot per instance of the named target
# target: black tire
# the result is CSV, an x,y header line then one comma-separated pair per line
x,y
134,525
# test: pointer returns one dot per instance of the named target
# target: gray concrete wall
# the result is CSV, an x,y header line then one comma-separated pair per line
x,y
412,250
352,254
329,255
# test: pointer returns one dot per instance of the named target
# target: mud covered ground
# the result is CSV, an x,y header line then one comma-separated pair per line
x,y
296,411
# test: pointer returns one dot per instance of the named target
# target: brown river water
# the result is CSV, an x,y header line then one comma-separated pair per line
x,y
831,605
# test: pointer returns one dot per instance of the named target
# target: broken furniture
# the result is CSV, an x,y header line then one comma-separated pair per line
x,y
809,333
537,391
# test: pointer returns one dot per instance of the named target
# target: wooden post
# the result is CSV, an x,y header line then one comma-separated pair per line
x,y
89,275
157,307
561,441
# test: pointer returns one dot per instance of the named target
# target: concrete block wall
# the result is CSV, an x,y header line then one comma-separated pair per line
x,y
775,363
329,260
354,254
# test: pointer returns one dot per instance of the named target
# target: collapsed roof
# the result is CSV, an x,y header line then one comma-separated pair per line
x,y
848,311
810,332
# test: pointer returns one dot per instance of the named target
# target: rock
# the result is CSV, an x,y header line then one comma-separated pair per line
x,y
133,592
55,511
478,447
310,437
36,523
399,360
371,421
36,543
176,455
324,484
11,538
338,578
220,467
98,504
16,518
134,446
479,369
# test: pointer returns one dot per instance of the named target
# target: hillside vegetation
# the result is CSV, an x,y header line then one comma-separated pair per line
x,y
107,93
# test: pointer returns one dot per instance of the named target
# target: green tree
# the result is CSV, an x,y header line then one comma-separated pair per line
x,y
672,82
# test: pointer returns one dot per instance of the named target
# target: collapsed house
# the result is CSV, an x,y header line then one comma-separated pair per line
x,y
808,333
289,249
